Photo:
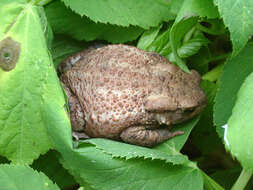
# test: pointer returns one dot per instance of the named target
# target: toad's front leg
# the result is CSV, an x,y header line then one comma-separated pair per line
x,y
144,136
79,135
76,115
75,110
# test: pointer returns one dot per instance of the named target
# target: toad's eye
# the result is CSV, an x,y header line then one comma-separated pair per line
x,y
70,104
189,110
9,53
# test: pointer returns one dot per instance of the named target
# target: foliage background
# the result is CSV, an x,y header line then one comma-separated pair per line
x,y
213,37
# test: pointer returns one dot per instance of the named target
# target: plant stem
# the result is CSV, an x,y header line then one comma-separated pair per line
x,y
221,57
206,30
242,180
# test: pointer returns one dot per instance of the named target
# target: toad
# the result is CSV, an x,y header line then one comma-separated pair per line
x,y
121,92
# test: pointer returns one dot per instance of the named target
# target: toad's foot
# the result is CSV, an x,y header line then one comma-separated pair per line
x,y
142,136
79,135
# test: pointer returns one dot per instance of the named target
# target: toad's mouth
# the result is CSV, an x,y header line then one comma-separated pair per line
x,y
186,114
178,115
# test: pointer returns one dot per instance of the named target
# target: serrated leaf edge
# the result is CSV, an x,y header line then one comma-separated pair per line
x,y
137,156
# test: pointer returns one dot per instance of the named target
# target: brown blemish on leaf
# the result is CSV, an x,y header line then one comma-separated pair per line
x,y
9,53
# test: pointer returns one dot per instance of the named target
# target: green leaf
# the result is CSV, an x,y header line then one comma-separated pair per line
x,y
101,171
17,177
127,151
189,48
13,9
234,73
178,31
214,74
210,184
237,16
175,6
63,46
124,12
205,132
46,27
156,40
186,19
174,145
64,21
161,43
148,37
201,8
239,131
214,26
26,89
200,60
50,166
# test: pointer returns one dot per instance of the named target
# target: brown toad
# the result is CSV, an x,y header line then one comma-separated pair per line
x,y
122,92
